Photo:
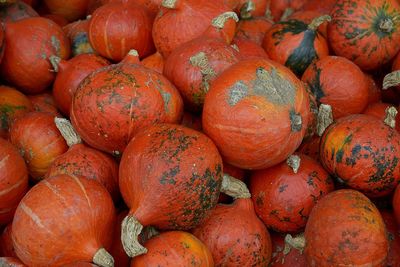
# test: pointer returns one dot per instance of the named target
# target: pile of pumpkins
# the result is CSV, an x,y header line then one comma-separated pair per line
x,y
199,133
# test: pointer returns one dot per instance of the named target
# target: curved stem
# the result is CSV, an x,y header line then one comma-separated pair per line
x,y
325,118
391,79
234,187
130,230
386,25
245,10
298,242
169,3
67,131
315,23
390,119
219,22
294,162
103,258
55,62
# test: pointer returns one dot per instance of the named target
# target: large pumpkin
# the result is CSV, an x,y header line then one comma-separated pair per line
x,y
365,32
44,102
6,244
248,49
69,9
243,103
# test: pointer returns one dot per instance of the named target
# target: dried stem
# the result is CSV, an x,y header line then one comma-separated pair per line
x,y
294,162
325,118
386,25
390,118
298,242
67,131
103,258
315,23
234,187
219,22
130,230
391,79
55,62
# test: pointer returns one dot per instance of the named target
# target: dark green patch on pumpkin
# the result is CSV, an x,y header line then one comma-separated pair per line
x,y
5,112
315,85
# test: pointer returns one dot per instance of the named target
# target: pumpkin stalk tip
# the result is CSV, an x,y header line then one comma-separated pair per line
x,y
245,11
103,259
298,242
55,62
386,25
286,14
294,162
130,230
325,118
67,131
315,23
219,22
234,187
390,119
169,3
391,79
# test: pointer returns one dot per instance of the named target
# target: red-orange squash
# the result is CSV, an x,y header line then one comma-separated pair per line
x,y
11,262
248,49
69,9
116,28
60,20
356,237
378,110
6,245
338,82
243,103
279,9
285,255
44,102
242,241
253,28
38,38
393,237
154,62
70,74
365,31
62,220
285,194
17,11
78,35
38,140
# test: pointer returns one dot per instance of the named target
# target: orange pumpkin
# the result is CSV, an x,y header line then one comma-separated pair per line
x,y
393,237
154,62
17,11
78,35
60,20
69,9
284,254
248,49
280,9
44,102
323,7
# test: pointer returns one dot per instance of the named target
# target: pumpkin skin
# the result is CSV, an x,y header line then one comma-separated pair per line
x,y
44,102
277,8
13,104
13,180
374,90
131,97
355,238
364,152
116,28
175,248
60,20
78,35
69,9
365,31
6,245
323,7
70,74
335,79
378,110
171,27
193,121
284,199
17,11
249,50
240,107
253,29
283,255
63,204
38,140
37,39
183,169
396,204
11,262
243,241
393,237
154,62
294,44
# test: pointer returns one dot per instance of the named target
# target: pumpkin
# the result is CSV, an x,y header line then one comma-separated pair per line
x,y
13,180
365,31
6,245
253,28
62,220
175,248
80,264
117,250
116,28
255,8
363,152
374,90
195,64
37,39
39,142
193,121
285,194
323,7
248,49
13,104
296,44
393,237
356,237
285,253
78,35
396,204
11,262
44,102
95,4
60,20
310,147
180,21
154,62
69,9
308,16
17,11
379,110
131,97
84,161
70,74
324,82
281,9
242,104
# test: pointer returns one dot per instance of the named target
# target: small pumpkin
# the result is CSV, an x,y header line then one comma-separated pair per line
x,y
284,251
69,9
253,28
37,38
6,245
355,237
281,9
78,35
154,62
248,49
17,11
11,262
13,180
39,142
393,237
44,102
71,219
70,74
365,31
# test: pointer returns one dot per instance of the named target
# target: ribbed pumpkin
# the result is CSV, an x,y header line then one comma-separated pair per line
x,y
308,16
112,104
252,28
6,245
355,237
248,49
116,28
17,11
69,9
62,220
70,74
13,180
38,140
36,40
44,102
13,104
243,103
379,110
284,254
180,21
284,195
338,82
393,237
11,262
363,152
365,31
78,35
175,248
296,44
194,65
154,62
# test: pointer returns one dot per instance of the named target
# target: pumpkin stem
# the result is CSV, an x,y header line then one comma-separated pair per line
x,y
132,57
88,17
268,14
234,187
55,62
130,230
169,4
390,119
200,60
219,22
286,14
391,79
386,25
234,46
103,258
298,242
325,118
294,162
67,131
315,23
245,10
